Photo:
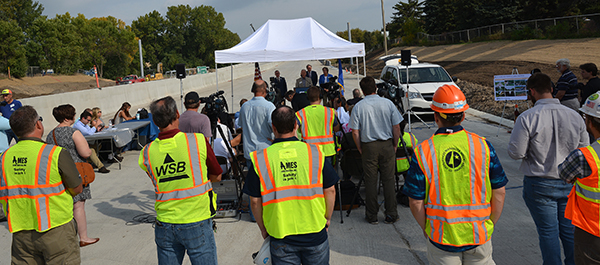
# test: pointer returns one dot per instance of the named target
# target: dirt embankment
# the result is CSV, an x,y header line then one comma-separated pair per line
x,y
476,64
50,84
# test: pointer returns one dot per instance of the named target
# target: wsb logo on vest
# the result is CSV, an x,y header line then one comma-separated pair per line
x,y
170,170
289,170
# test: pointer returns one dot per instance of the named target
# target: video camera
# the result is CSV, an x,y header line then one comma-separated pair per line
x,y
331,88
215,104
273,92
391,91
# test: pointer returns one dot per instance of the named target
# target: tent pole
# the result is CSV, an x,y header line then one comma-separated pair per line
x,y
217,75
364,66
232,105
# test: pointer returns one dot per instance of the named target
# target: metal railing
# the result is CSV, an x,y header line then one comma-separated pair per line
x,y
558,27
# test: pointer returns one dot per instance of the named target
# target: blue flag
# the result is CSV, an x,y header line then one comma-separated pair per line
x,y
340,75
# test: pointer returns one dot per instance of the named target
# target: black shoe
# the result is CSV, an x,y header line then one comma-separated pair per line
x,y
390,220
120,158
3,219
103,170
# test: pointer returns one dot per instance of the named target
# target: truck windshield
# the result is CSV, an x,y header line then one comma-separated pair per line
x,y
425,75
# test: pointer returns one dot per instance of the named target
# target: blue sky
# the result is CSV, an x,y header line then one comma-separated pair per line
x,y
333,14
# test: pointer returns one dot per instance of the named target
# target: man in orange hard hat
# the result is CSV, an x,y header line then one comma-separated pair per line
x,y
455,186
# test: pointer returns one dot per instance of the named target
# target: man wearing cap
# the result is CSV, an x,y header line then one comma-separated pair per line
x,y
375,124
7,107
191,121
581,169
455,186
542,137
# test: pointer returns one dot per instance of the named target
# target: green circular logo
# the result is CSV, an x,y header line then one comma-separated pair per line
x,y
453,159
593,97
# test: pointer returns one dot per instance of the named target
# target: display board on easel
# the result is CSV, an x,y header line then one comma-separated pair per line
x,y
510,87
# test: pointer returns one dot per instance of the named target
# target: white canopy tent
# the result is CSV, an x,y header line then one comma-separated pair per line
x,y
290,40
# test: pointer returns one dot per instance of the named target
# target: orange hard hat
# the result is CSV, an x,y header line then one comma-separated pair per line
x,y
449,99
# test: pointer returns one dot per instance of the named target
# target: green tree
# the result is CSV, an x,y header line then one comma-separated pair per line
x,y
371,39
12,49
24,12
150,28
440,16
55,43
411,10
186,34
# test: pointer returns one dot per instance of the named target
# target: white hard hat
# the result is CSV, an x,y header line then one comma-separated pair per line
x,y
263,257
592,105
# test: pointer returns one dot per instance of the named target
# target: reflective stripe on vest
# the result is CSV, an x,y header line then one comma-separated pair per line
x,y
177,169
583,206
48,192
318,136
460,213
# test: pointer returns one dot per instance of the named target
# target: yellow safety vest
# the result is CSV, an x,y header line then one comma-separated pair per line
x,y
316,124
291,187
177,168
583,207
458,188
31,188
403,163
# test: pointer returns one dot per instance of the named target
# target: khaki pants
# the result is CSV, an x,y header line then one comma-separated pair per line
x,y
95,160
379,156
481,255
59,245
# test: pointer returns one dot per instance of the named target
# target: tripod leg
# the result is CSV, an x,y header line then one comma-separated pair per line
x,y
340,199
354,197
411,112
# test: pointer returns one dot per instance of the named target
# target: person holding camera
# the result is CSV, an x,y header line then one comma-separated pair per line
x,y
542,137
318,124
191,121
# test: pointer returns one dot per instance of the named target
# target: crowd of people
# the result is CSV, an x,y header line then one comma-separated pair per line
x,y
454,180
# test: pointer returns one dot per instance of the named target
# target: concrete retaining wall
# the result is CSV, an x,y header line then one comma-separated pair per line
x,y
139,95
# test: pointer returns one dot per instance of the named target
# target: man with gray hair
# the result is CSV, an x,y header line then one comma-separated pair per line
x,y
566,87
182,167
357,96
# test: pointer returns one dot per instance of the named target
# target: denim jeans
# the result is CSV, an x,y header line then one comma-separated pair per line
x,y
250,167
173,240
282,253
547,200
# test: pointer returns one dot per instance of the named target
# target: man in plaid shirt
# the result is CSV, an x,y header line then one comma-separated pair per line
x,y
581,168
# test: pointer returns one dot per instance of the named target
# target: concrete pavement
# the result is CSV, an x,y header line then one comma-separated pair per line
x,y
123,198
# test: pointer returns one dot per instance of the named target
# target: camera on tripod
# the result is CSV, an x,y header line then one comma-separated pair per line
x,y
273,93
215,104
331,88
391,90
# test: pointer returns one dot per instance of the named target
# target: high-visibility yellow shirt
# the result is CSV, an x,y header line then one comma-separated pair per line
x,y
177,168
291,188
31,188
403,163
458,189
316,127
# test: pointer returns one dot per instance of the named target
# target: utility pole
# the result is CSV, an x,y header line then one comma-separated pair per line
x,y
141,59
350,39
384,30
